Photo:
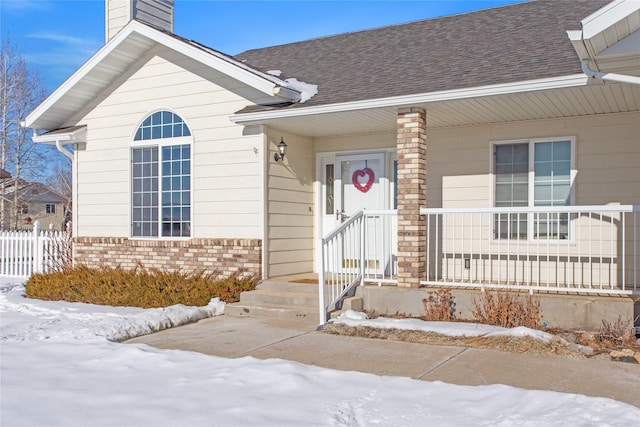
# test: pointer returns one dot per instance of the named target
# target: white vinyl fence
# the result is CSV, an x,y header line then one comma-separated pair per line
x,y
23,253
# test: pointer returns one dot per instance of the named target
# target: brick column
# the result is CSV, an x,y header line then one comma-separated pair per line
x,y
412,195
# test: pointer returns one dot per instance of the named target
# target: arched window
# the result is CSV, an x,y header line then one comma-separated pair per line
x,y
161,177
162,125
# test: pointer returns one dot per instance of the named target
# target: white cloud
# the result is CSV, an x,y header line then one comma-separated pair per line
x,y
65,46
59,55
16,6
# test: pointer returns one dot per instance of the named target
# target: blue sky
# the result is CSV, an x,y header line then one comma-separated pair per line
x,y
58,36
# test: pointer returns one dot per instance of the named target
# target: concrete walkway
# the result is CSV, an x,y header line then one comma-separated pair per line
x,y
234,337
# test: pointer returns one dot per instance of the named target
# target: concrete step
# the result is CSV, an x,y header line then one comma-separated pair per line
x,y
272,311
260,296
298,288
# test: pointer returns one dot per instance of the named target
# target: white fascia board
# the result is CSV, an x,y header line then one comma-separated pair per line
x,y
64,138
607,16
263,82
266,83
576,40
568,81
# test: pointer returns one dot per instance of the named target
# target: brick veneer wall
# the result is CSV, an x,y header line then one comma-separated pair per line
x,y
412,195
227,256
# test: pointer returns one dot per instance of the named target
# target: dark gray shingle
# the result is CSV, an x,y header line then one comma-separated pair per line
x,y
500,45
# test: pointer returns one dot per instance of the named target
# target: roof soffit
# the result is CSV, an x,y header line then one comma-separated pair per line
x,y
610,38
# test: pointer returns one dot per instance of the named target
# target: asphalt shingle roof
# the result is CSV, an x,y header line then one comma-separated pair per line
x,y
506,44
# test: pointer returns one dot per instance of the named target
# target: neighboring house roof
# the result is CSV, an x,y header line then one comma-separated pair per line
x,y
32,192
505,44
4,174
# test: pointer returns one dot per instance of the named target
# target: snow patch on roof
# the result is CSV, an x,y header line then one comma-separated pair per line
x,y
274,72
307,90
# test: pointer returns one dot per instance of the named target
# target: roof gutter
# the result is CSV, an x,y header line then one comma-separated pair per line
x,y
588,46
613,77
561,82
60,138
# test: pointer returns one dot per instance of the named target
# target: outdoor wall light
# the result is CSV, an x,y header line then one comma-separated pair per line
x,y
282,150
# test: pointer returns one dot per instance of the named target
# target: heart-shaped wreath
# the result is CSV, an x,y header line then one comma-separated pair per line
x,y
355,178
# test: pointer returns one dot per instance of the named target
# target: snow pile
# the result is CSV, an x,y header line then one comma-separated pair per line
x,y
59,368
47,320
307,90
453,329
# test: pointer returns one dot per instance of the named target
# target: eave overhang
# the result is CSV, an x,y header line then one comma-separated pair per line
x,y
120,53
64,136
576,80
61,137
609,41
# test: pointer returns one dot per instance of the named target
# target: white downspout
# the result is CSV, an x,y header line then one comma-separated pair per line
x,y
61,149
619,78
59,144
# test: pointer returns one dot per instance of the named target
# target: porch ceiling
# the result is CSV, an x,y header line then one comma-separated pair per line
x,y
592,99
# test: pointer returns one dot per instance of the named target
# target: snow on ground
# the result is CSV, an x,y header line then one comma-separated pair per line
x,y
453,329
60,366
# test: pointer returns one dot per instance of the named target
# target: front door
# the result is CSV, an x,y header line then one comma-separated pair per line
x,y
359,183
352,182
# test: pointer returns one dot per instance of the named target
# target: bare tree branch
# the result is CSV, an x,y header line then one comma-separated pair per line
x,y
20,92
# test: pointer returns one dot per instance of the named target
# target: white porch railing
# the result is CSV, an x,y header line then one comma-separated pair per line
x,y
23,253
568,248
363,248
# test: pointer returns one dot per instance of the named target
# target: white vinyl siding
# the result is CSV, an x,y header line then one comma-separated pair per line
x,y
226,169
290,215
606,160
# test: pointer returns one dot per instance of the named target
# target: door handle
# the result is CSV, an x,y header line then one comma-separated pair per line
x,y
341,215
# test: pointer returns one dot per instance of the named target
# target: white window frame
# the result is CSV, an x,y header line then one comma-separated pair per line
x,y
160,143
531,174
50,208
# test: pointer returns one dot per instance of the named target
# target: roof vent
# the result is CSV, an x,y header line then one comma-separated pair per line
x,y
118,13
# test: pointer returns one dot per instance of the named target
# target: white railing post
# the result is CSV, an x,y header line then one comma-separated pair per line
x,y
363,222
321,284
635,246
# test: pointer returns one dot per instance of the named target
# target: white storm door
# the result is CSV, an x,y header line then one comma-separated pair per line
x,y
360,183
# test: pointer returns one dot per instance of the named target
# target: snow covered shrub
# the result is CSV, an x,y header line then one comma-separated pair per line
x,y
439,305
136,288
508,310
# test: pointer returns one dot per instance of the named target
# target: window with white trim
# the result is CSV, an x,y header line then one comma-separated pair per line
x,y
161,177
533,173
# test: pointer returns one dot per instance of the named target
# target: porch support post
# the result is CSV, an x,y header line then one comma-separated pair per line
x,y
412,195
